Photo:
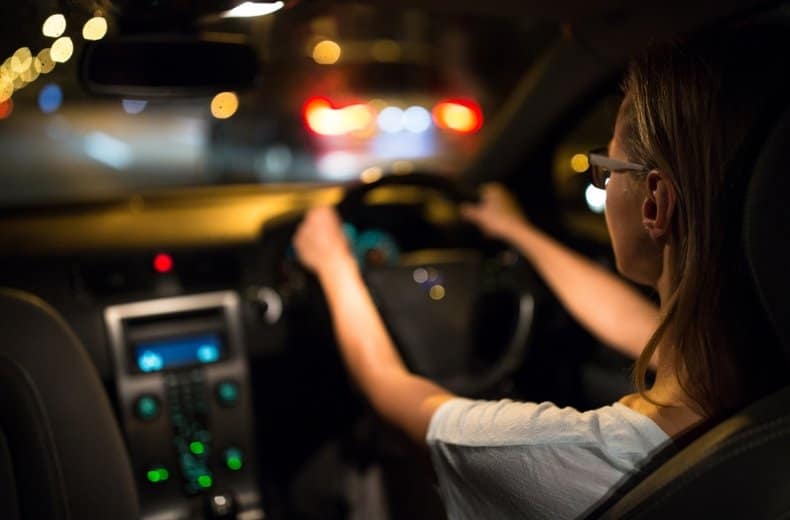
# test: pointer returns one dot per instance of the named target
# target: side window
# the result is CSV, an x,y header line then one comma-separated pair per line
x,y
581,204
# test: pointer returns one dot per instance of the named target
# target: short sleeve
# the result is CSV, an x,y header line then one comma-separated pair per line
x,y
504,459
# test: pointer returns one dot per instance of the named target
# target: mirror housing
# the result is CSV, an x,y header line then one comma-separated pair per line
x,y
166,67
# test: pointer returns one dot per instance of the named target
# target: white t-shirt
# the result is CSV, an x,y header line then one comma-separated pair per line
x,y
503,459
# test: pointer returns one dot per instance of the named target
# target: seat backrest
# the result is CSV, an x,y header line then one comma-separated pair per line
x,y
741,467
61,451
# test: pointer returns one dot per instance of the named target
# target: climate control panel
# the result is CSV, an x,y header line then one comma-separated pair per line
x,y
184,394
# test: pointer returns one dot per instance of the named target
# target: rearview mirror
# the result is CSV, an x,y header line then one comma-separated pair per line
x,y
148,66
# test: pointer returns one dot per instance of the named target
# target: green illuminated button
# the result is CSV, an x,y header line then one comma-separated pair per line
x,y
234,459
228,393
197,447
205,481
146,408
157,474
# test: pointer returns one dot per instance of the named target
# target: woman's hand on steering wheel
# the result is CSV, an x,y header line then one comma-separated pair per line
x,y
320,242
498,214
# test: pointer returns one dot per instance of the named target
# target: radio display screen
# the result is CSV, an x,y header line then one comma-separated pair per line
x,y
166,354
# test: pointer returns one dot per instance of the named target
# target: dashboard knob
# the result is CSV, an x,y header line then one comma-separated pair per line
x,y
147,407
227,393
220,506
268,303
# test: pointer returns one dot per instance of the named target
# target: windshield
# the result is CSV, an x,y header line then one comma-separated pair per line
x,y
344,91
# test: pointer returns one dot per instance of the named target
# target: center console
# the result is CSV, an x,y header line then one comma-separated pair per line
x,y
184,395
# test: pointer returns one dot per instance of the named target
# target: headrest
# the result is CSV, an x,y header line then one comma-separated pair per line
x,y
766,227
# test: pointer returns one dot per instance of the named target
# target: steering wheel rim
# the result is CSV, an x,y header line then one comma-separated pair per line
x,y
513,354
452,190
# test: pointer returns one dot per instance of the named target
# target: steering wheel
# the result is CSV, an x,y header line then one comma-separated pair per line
x,y
463,320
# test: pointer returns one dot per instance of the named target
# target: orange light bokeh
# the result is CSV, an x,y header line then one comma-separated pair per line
x,y
460,115
6,108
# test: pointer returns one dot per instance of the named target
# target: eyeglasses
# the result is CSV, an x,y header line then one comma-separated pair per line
x,y
602,166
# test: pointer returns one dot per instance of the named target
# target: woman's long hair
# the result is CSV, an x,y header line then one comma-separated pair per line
x,y
689,111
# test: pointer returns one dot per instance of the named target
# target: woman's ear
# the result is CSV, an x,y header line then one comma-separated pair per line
x,y
659,205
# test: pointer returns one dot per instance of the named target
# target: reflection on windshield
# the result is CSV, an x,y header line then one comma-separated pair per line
x,y
346,92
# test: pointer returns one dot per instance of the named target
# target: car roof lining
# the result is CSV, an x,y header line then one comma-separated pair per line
x,y
588,57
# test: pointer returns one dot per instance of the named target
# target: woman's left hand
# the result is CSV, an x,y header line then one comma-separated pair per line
x,y
320,241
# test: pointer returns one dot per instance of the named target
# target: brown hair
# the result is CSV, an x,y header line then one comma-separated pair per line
x,y
689,110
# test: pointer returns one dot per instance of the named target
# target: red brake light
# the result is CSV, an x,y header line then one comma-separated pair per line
x,y
460,115
323,118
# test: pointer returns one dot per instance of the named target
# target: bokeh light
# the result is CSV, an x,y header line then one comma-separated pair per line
x,y
371,174
54,26
464,116
437,292
417,119
30,74
21,60
224,105
95,28
62,50
46,62
50,98
6,108
326,52
580,163
133,106
391,120
6,71
323,119
596,199
6,88
252,9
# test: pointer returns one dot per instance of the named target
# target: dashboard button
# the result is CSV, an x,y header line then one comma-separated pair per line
x,y
197,448
157,474
228,393
205,480
147,408
234,459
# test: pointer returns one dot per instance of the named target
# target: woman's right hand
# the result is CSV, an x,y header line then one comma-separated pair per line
x,y
320,243
498,214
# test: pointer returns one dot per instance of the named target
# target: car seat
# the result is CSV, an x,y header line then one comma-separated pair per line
x,y
61,451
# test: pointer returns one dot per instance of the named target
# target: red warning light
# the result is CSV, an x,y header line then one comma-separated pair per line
x,y
163,263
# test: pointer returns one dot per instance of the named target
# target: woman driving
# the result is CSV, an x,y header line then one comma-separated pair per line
x,y
673,210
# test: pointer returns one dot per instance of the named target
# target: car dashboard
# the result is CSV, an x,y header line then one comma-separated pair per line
x,y
210,338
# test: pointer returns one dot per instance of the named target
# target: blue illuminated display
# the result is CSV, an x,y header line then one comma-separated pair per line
x,y
154,356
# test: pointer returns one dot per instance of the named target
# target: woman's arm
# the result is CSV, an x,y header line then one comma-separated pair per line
x,y
406,400
604,304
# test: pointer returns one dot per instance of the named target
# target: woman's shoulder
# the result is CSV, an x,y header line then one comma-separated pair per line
x,y
512,423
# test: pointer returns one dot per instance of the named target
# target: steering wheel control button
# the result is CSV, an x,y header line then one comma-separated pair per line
x,y
228,393
234,459
147,408
157,474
